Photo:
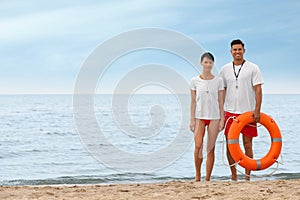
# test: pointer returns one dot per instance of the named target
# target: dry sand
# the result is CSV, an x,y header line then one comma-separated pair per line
x,y
275,189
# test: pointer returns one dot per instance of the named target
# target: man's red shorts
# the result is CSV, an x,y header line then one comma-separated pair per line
x,y
248,131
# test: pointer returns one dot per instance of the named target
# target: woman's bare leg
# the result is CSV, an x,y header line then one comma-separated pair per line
x,y
198,138
213,130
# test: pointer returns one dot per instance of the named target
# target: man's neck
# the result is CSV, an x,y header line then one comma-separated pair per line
x,y
238,62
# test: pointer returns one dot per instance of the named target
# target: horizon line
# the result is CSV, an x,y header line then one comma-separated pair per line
x,y
2,94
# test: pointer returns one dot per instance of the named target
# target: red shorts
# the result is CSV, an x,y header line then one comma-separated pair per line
x,y
248,131
205,121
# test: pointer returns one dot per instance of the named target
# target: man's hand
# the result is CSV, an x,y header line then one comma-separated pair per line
x,y
256,116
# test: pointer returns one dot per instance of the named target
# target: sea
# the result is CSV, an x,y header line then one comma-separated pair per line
x,y
147,140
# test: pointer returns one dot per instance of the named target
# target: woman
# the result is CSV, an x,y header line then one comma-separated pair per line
x,y
207,101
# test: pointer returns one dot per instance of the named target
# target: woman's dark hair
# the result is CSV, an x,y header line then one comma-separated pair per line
x,y
237,41
207,55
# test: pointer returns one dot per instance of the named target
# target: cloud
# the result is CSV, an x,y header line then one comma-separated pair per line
x,y
50,39
75,20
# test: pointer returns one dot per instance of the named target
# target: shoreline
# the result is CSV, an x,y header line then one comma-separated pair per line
x,y
261,189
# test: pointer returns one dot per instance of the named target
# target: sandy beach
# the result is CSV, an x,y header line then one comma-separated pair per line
x,y
275,189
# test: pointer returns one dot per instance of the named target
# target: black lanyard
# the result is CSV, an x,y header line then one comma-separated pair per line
x,y
237,74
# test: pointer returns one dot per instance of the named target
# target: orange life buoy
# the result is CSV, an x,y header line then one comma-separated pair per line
x,y
234,146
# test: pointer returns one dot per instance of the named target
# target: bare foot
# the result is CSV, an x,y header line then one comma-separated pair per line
x,y
197,177
234,177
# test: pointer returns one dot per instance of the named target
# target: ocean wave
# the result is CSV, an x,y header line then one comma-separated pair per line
x,y
129,178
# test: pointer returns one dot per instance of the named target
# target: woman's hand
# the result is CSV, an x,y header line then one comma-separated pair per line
x,y
193,124
221,124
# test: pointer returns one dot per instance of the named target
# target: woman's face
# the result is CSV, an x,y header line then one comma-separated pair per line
x,y
207,63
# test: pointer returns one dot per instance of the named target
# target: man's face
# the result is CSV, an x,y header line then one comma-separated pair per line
x,y
237,51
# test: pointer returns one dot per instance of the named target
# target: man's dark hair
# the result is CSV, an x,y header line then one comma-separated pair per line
x,y
237,41
207,55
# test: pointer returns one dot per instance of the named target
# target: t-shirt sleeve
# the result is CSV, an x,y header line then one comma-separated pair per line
x,y
222,76
220,85
193,85
256,76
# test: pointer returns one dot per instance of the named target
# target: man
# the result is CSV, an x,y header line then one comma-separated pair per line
x,y
243,92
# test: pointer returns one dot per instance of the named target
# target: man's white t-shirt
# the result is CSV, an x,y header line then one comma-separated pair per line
x,y
240,94
207,105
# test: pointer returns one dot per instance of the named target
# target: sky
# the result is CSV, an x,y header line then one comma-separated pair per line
x,y
43,44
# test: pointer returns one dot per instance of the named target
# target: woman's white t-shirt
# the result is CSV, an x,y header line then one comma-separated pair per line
x,y
207,105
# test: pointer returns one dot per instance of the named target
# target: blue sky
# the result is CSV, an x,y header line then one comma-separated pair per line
x,y
44,43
